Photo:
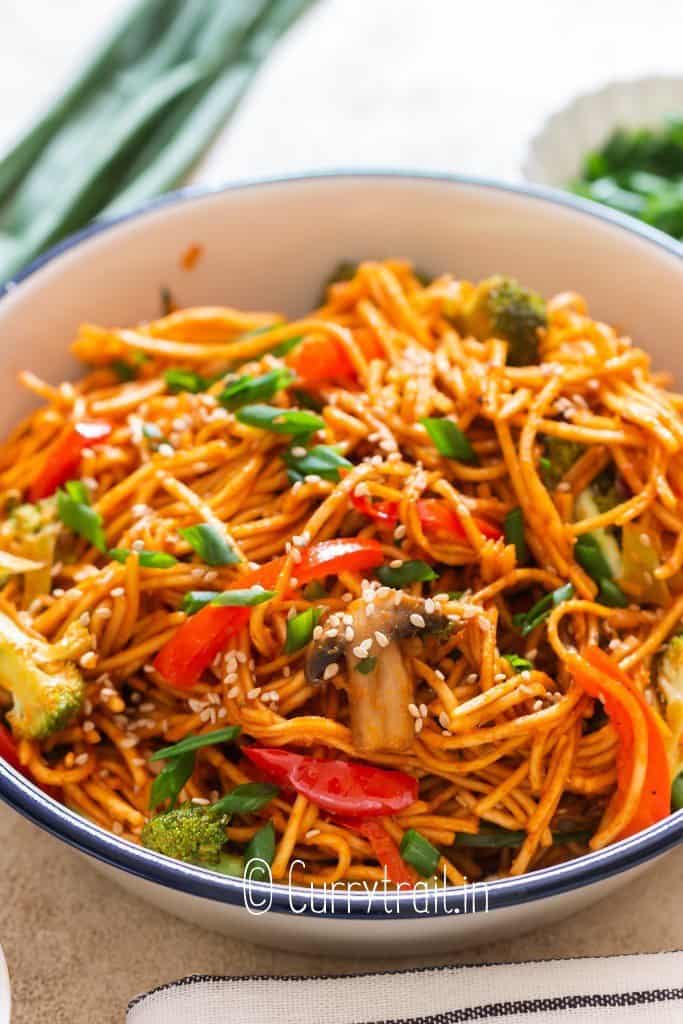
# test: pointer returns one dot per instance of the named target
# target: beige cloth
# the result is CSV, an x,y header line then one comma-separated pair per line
x,y
78,948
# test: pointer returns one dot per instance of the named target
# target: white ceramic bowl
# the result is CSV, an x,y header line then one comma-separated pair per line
x,y
269,245
5,995
556,152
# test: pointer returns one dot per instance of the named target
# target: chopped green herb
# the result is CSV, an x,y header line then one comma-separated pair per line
x,y
366,665
449,439
79,516
280,421
247,390
405,574
526,621
195,600
192,743
147,559
513,527
123,370
419,852
612,595
259,854
677,793
245,799
185,380
589,555
321,460
171,779
285,347
300,629
518,664
210,544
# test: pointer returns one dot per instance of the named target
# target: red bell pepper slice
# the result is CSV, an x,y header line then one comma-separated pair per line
x,y
319,360
599,683
435,516
8,750
196,643
63,459
385,850
340,787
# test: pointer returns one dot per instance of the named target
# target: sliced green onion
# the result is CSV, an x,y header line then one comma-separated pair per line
x,y
402,575
321,460
210,544
419,852
147,559
249,597
171,779
260,852
449,439
519,664
77,491
588,554
246,799
677,793
366,665
513,527
79,516
612,595
229,864
308,401
246,390
185,380
300,629
285,347
280,421
526,621
192,743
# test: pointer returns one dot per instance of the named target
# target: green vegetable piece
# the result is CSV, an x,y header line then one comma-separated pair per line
x,y
280,421
526,621
124,371
192,743
229,864
210,544
259,854
518,663
169,782
246,799
147,559
246,390
611,594
590,557
419,852
79,516
248,597
366,665
405,574
321,460
285,347
559,459
185,380
677,793
513,528
448,439
300,629
501,308
190,833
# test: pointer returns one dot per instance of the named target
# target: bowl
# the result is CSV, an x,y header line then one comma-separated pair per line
x,y
269,244
556,151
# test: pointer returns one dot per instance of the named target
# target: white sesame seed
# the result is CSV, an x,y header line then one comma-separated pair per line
x,y
417,620
645,540
382,639
331,671
130,741
312,833
444,720
472,677
429,606
318,632
423,710
414,710
254,693
200,801
81,759
349,634
418,725
88,660
400,531
241,657
396,564
233,692
118,592
538,705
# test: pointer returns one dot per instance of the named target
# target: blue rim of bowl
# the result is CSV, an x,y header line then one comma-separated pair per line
x,y
89,838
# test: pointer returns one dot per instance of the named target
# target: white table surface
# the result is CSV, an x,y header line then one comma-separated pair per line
x,y
429,84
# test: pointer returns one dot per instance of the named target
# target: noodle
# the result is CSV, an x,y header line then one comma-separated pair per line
x,y
496,745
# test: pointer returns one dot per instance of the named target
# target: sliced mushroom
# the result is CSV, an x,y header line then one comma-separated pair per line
x,y
379,686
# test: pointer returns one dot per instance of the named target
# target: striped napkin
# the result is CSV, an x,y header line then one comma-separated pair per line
x,y
596,990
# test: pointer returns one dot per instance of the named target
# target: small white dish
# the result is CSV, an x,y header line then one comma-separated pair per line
x,y
555,153
5,995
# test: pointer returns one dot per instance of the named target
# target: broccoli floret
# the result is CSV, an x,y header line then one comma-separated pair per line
x,y
562,455
31,532
192,833
502,308
46,685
